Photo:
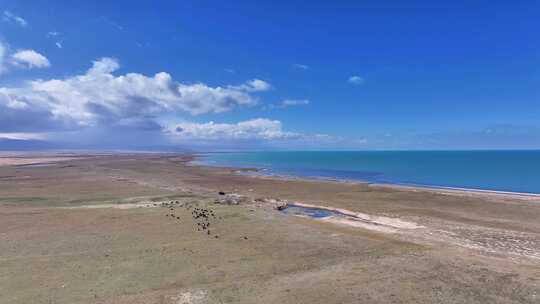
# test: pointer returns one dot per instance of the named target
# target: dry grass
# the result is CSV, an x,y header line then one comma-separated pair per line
x,y
53,254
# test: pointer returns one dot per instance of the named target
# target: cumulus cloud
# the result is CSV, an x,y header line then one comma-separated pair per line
x,y
105,65
100,98
30,59
355,79
10,17
254,132
255,129
20,59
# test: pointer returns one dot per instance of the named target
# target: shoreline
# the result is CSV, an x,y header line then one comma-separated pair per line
x,y
194,159
470,191
445,190
483,221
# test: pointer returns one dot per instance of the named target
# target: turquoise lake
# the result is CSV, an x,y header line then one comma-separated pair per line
x,y
514,171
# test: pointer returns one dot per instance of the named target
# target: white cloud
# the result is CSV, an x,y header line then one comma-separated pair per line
x,y
20,59
255,85
104,66
288,103
98,97
294,102
299,66
110,22
10,17
30,59
255,129
355,79
250,133
53,34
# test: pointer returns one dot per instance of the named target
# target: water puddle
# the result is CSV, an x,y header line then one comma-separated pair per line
x,y
349,218
308,211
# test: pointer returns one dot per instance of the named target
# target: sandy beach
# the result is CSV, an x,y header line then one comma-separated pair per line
x,y
127,228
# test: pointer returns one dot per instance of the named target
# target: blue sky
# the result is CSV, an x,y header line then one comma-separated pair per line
x,y
267,75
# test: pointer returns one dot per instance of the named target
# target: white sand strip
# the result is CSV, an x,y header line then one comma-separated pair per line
x,y
366,218
358,224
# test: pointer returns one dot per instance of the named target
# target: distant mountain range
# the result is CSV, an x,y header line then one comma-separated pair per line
x,y
7,144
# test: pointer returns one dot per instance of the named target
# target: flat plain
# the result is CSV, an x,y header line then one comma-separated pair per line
x,y
100,229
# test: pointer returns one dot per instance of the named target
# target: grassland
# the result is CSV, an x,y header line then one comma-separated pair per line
x,y
63,239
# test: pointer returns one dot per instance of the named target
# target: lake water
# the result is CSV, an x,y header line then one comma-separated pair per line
x,y
514,171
